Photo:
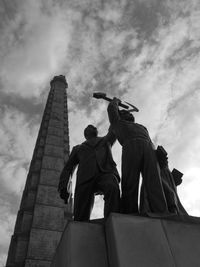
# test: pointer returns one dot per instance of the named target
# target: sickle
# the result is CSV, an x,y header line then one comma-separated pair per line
x,y
134,108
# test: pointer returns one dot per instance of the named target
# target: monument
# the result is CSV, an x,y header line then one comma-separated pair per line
x,y
45,235
42,214
158,238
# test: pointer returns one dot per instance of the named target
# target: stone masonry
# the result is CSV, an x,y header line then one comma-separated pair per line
x,y
42,214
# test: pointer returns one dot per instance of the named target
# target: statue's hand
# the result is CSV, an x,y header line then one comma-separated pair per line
x,y
64,191
65,195
117,100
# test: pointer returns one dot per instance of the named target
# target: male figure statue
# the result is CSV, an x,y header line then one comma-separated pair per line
x,y
96,172
138,156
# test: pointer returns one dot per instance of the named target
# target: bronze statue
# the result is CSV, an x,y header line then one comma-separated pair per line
x,y
96,173
170,180
138,156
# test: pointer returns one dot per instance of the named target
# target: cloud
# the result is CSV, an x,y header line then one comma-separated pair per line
x,y
34,45
16,148
145,52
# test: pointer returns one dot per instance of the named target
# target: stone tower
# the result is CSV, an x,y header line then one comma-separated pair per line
x,y
42,214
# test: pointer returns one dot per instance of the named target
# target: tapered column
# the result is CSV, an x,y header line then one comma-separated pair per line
x,y
42,214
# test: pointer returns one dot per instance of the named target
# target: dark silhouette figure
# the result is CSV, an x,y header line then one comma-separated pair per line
x,y
97,173
138,156
169,181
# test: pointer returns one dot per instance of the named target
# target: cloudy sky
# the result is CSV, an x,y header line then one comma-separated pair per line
x,y
144,51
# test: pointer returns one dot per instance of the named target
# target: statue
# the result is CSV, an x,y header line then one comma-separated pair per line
x,y
169,181
97,173
138,156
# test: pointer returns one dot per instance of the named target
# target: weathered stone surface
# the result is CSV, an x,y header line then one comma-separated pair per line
x,y
26,221
11,252
82,245
34,179
36,165
21,248
52,163
49,218
54,140
55,106
184,241
55,123
29,200
55,131
54,151
141,242
136,241
58,99
42,141
39,152
43,132
49,177
42,244
56,116
59,110
37,263
48,195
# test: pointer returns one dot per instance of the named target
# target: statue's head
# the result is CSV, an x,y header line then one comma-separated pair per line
x,y
126,115
90,132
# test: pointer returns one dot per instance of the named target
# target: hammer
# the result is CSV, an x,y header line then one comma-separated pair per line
x,y
100,95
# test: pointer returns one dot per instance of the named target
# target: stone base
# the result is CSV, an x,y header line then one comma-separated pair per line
x,y
130,241
82,245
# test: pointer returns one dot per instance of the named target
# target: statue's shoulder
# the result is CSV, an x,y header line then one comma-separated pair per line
x,y
140,125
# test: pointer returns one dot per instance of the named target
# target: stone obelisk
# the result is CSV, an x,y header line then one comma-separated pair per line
x,y
42,214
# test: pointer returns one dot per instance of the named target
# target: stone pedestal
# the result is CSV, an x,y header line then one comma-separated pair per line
x,y
138,242
82,245
130,241
146,242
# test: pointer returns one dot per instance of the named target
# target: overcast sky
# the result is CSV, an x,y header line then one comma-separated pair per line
x,y
144,51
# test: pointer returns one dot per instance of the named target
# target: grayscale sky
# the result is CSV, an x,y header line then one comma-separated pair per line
x,y
144,51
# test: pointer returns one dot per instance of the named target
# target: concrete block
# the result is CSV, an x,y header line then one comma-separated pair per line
x,y
184,241
56,106
55,131
58,110
41,141
52,163
54,151
49,177
40,152
48,195
21,248
56,116
26,221
34,179
54,140
82,245
55,123
137,241
29,200
58,99
42,244
11,252
37,263
47,217
36,165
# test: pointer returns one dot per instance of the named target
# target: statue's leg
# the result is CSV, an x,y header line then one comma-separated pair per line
x,y
108,185
83,201
131,162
